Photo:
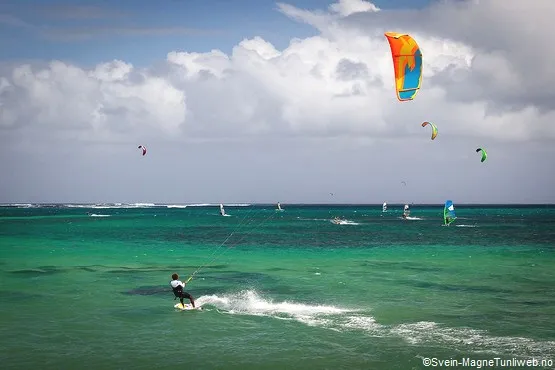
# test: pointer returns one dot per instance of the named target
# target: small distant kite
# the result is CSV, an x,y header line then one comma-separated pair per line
x,y
484,154
407,64
404,183
143,148
434,129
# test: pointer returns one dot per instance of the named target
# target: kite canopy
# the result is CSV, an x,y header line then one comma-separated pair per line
x,y
407,64
143,148
434,129
484,154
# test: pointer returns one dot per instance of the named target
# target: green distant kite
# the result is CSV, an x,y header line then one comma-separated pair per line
x,y
484,154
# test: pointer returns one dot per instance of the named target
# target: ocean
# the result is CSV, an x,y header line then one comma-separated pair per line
x,y
87,287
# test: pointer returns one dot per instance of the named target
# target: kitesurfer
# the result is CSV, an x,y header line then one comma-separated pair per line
x,y
177,287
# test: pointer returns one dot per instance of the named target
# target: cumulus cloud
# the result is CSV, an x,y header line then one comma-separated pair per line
x,y
485,79
113,97
348,7
340,82
511,60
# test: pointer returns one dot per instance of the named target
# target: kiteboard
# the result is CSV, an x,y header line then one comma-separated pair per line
x,y
186,307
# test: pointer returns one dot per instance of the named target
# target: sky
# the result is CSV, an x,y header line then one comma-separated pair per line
x,y
257,101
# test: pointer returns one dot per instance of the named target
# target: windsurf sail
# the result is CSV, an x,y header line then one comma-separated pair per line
x,y
406,210
279,206
448,213
222,210
407,64
384,207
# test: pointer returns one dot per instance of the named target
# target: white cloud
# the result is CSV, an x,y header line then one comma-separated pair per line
x,y
509,41
214,62
340,82
348,7
110,99
337,84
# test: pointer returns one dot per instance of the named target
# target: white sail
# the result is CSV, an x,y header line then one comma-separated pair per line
x,y
279,206
384,207
222,210
406,210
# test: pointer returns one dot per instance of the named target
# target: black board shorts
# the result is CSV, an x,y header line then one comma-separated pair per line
x,y
186,295
182,295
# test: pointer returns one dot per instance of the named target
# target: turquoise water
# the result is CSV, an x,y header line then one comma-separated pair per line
x,y
86,287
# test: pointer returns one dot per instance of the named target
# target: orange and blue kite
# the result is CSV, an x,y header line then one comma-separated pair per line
x,y
407,62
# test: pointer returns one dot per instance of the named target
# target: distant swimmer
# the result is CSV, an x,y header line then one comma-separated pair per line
x,y
177,287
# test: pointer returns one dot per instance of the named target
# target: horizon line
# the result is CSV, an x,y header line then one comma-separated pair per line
x,y
246,204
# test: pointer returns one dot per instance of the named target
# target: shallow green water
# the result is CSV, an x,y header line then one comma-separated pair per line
x,y
286,290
